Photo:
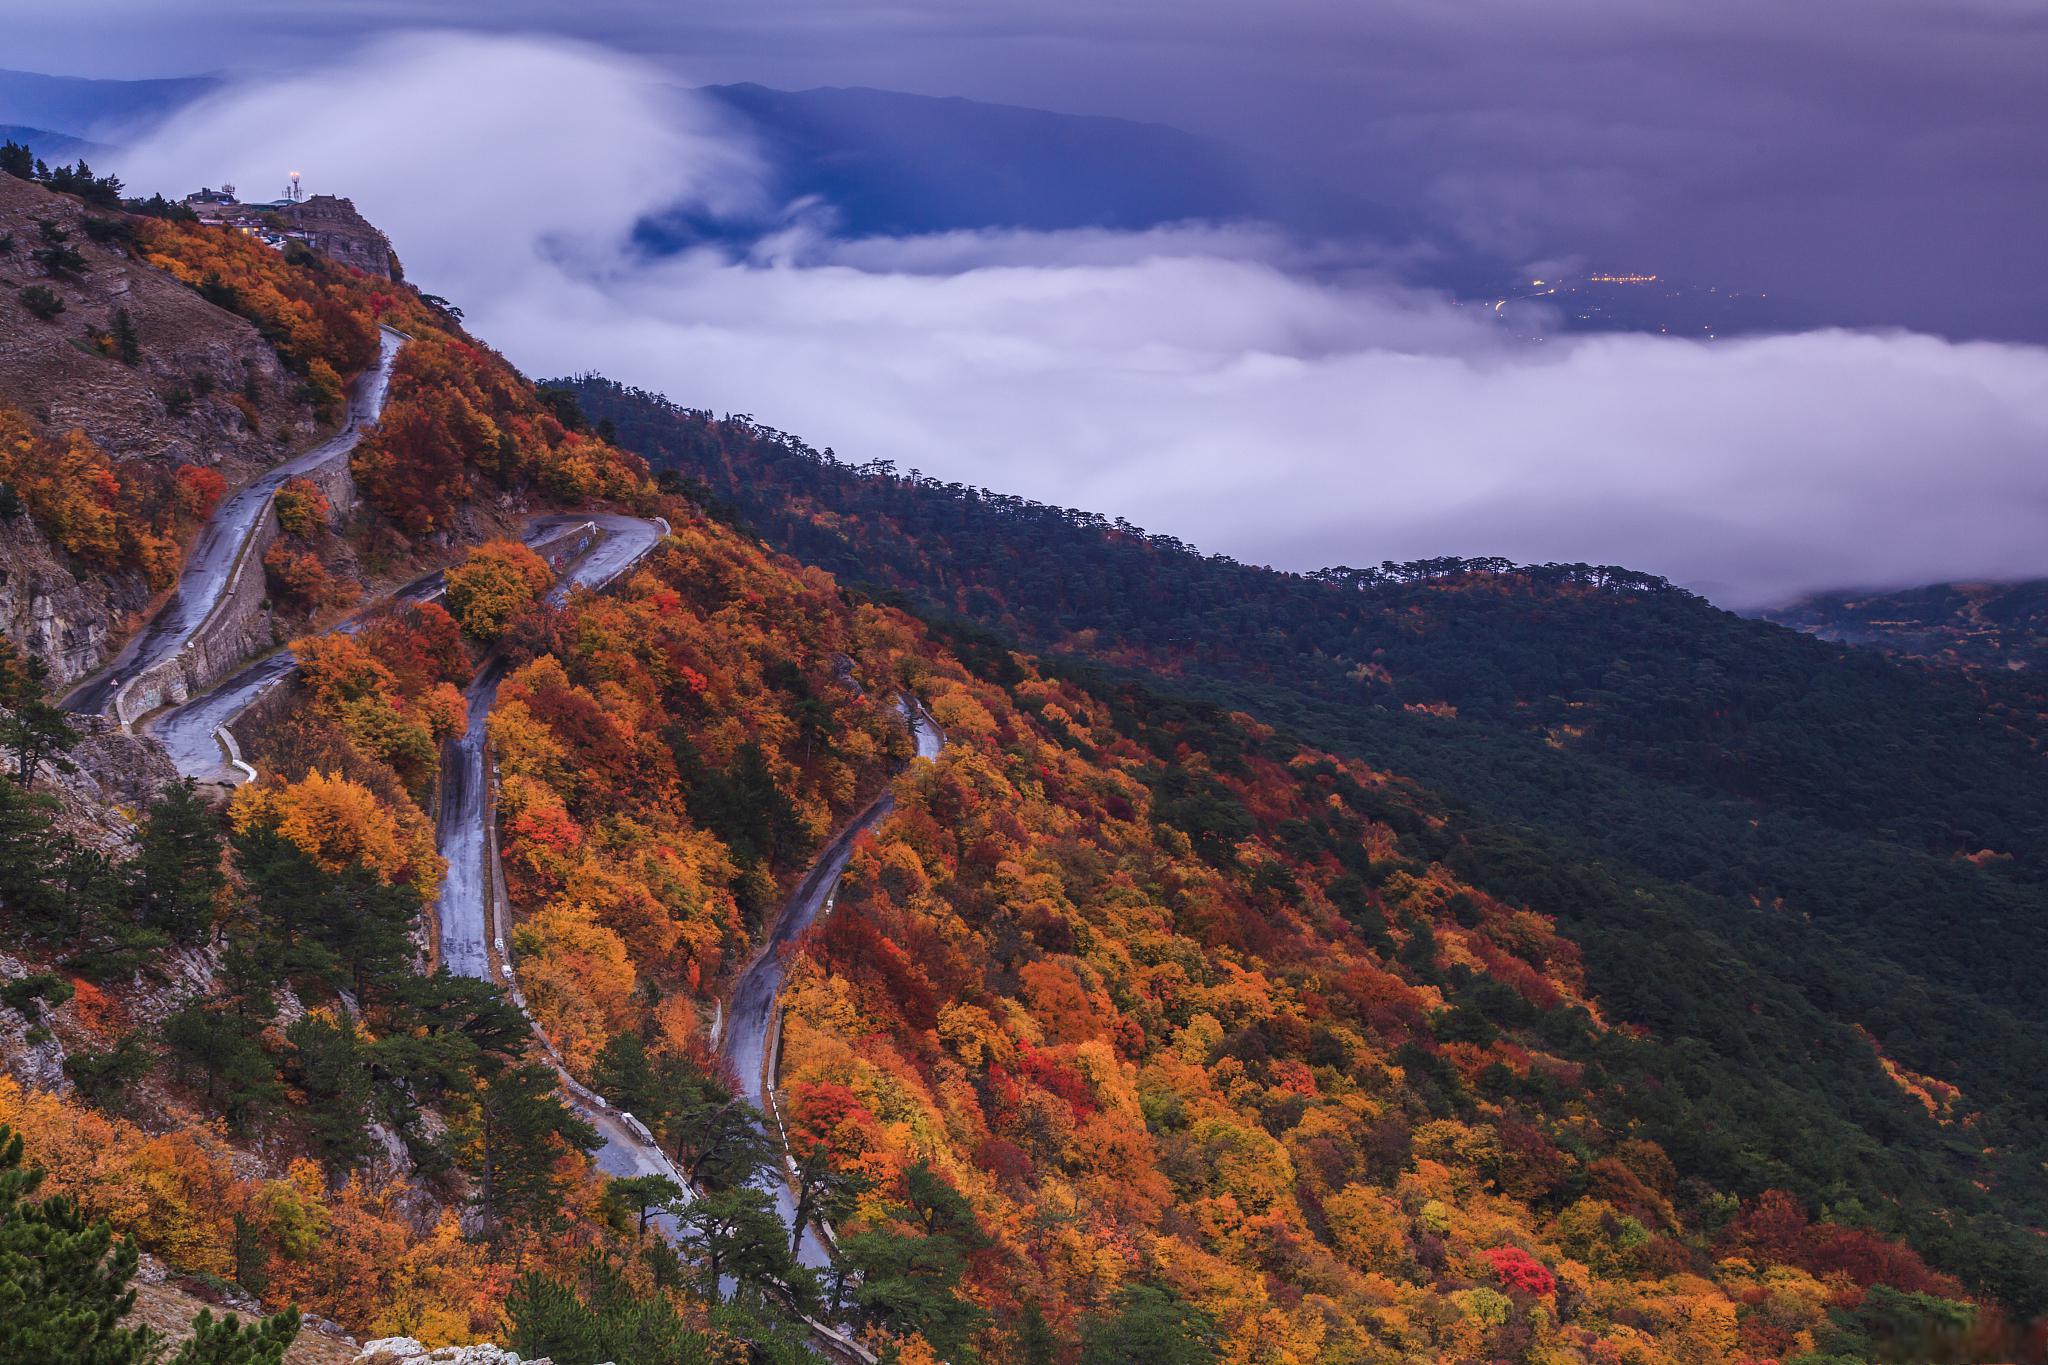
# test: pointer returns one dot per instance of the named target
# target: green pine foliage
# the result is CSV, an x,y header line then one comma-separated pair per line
x,y
64,1289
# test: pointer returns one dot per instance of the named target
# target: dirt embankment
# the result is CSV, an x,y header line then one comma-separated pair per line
x,y
200,375
153,409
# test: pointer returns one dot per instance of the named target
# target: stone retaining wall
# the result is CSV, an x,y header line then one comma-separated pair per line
x,y
238,626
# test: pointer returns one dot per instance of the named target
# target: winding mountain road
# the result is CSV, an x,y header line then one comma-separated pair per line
x,y
209,568
752,1028
192,732
464,909
471,911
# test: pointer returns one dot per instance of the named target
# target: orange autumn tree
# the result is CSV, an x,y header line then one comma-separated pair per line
x,y
400,719
76,496
494,583
361,1253
302,508
198,490
459,418
339,824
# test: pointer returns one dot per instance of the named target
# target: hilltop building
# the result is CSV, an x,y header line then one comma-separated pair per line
x,y
327,223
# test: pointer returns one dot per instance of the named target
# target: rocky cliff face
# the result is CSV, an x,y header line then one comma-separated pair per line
x,y
73,621
332,227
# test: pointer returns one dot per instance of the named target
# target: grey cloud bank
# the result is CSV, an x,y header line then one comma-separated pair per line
x,y
1867,161
1186,379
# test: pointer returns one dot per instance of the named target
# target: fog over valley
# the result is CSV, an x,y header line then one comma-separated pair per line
x,y
1209,381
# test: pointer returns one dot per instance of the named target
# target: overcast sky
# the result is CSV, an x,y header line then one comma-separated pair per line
x,y
1884,161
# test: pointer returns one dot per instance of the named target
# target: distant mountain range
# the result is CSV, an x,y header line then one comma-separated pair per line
x,y
51,146
892,164
87,110
1998,626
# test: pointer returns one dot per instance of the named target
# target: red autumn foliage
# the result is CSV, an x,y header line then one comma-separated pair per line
x,y
198,490
1519,1272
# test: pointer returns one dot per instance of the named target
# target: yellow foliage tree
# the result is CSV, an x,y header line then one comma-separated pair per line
x,y
495,582
341,824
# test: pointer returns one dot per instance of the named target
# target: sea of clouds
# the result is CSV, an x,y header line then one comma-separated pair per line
x,y
1193,379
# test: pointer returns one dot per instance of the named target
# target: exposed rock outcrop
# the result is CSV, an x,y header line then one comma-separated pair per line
x,y
331,226
71,621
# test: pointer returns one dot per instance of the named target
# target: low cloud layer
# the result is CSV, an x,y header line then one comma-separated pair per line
x,y
1189,379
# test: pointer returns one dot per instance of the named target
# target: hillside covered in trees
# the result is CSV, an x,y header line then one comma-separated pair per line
x,y
1805,867
1502,980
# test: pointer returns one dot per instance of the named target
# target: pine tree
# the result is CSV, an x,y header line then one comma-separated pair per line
x,y
95,895
736,1235
224,1048
1151,1326
252,1257
179,865
624,1075
281,885
126,346
909,1282
1036,1344
366,926
549,1321
63,1279
477,1029
31,725
518,1131
230,1341
26,846
721,1142
608,1320
643,1197
329,1065
823,1190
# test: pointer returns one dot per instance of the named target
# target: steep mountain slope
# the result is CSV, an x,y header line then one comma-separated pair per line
x,y
126,410
1140,1030
1771,850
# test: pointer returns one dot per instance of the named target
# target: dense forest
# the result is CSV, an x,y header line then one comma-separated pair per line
x,y
1801,866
